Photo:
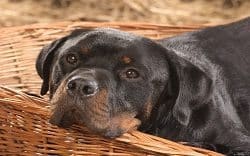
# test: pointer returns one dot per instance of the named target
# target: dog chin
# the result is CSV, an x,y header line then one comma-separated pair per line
x,y
121,124
112,127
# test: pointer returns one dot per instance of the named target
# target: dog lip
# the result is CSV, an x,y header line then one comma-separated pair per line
x,y
112,134
60,120
55,120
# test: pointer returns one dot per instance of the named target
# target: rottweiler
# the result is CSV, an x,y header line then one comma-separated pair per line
x,y
194,87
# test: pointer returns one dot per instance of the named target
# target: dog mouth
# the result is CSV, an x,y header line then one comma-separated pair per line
x,y
94,115
64,119
120,124
110,128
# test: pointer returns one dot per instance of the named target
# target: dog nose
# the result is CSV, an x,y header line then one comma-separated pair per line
x,y
83,86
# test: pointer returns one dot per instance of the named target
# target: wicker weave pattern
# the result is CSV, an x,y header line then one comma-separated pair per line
x,y
24,129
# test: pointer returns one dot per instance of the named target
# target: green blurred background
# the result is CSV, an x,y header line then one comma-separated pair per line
x,y
174,12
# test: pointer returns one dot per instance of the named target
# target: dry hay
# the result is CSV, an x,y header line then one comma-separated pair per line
x,y
176,12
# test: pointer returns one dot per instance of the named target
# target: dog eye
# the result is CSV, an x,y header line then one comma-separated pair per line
x,y
132,74
71,59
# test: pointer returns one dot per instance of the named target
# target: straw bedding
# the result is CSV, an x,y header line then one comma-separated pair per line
x,y
24,129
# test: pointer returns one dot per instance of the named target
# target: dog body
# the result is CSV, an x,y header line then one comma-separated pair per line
x,y
223,53
193,88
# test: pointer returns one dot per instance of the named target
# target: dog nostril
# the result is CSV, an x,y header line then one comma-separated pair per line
x,y
71,85
87,90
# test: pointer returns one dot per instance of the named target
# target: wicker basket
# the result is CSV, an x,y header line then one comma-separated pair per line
x,y
24,129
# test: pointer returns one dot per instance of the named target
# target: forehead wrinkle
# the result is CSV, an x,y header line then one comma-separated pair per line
x,y
110,37
72,42
114,32
101,36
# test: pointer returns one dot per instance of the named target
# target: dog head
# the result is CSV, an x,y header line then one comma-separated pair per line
x,y
111,80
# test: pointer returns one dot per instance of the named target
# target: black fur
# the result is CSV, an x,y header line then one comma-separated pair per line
x,y
197,83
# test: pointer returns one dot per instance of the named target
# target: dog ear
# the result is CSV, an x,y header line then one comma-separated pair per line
x,y
44,61
45,58
193,88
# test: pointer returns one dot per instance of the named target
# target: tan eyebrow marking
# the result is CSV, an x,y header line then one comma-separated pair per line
x,y
125,59
85,50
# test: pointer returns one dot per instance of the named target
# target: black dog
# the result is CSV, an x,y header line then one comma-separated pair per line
x,y
193,88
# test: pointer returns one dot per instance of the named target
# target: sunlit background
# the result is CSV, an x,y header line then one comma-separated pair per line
x,y
174,12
